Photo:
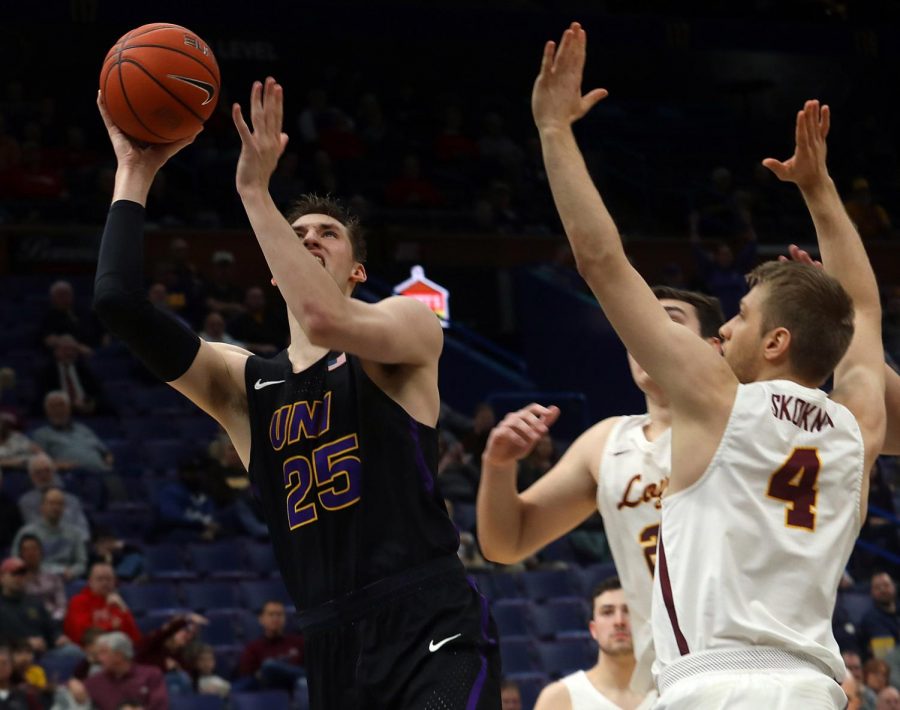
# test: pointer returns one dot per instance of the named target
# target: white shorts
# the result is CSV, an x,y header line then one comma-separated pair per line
x,y
753,690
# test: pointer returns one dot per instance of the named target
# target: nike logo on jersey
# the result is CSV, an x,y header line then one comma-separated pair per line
x,y
432,646
260,384
202,85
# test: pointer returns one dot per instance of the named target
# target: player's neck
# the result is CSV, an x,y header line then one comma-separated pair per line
x,y
783,371
612,674
301,352
660,419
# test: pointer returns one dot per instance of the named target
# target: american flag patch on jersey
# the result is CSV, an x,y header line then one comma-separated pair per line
x,y
337,362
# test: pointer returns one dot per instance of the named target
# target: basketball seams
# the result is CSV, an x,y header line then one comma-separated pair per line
x,y
183,54
161,86
130,107
153,28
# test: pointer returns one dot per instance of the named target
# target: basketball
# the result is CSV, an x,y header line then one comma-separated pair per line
x,y
160,83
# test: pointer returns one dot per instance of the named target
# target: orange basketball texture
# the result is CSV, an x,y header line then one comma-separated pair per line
x,y
160,83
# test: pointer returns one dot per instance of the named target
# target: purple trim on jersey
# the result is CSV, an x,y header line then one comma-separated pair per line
x,y
424,473
478,686
666,586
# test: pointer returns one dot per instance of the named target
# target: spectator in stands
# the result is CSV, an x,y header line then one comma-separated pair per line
x,y
64,547
458,477
27,674
126,559
877,675
537,463
221,293
99,606
503,156
15,447
47,586
476,438
69,373
412,189
10,517
229,487
510,695
158,295
879,629
208,683
854,665
42,472
214,330
62,319
11,698
90,664
258,327
608,681
169,647
184,510
184,284
275,660
871,219
122,681
888,699
69,443
23,617
721,273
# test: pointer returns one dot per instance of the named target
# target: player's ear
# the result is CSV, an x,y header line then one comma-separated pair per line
x,y
358,275
776,343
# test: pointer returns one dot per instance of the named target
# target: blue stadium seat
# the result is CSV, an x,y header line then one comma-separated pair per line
x,y
247,624
464,516
266,700
59,667
196,702
227,658
564,656
530,686
195,428
502,585
560,616
166,561
856,604
517,655
255,593
165,454
220,559
559,551
593,574
151,622
220,630
203,596
261,558
142,598
543,584
513,617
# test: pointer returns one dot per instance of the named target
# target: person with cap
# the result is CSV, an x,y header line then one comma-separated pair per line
x,y
22,616
122,681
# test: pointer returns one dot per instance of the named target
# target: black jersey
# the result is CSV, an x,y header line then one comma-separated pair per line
x,y
345,476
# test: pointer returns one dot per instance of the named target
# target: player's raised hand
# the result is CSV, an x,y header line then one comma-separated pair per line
x,y
801,256
806,167
148,158
556,100
519,432
262,147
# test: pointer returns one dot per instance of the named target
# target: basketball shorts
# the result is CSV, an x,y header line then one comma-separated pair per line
x,y
752,690
431,645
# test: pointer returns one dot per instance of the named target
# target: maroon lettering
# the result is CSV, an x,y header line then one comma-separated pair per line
x,y
798,412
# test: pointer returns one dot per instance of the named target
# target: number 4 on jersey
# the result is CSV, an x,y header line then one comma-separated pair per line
x,y
795,484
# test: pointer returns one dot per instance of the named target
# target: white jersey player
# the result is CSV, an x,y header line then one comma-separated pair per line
x,y
605,685
764,646
620,467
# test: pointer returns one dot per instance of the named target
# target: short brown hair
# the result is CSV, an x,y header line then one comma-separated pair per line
x,y
709,310
312,203
816,310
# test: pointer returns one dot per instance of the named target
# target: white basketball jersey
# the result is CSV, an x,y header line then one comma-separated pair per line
x,y
585,696
752,553
633,474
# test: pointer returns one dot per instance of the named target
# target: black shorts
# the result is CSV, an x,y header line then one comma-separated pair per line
x,y
429,646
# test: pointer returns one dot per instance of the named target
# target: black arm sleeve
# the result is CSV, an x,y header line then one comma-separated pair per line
x,y
163,344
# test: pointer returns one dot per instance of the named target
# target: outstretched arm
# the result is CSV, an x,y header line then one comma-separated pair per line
x,y
680,362
513,525
394,331
210,377
859,379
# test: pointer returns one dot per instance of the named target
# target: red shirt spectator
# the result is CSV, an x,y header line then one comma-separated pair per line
x,y
273,644
98,605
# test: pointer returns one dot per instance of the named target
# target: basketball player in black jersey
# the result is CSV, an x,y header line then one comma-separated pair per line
x,y
337,433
